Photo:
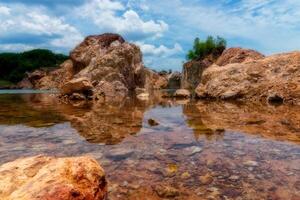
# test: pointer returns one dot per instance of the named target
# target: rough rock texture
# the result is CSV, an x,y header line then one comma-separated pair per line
x,y
79,85
182,93
111,65
238,55
42,177
275,78
174,80
192,73
46,79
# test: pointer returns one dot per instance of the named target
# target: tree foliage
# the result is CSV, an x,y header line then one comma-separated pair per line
x,y
14,65
211,45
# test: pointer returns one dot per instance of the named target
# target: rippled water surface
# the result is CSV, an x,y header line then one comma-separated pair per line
x,y
163,148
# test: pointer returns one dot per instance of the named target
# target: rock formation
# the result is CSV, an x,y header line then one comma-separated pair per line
x,y
174,80
192,73
42,177
275,79
193,70
105,67
238,55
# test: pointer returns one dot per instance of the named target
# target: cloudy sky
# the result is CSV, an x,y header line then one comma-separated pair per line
x,y
164,29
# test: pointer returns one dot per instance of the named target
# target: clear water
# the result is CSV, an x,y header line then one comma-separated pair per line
x,y
201,150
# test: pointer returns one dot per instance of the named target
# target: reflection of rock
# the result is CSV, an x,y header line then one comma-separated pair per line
x,y
274,78
35,110
50,178
109,124
211,118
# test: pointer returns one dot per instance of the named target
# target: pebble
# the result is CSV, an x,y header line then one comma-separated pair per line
x,y
192,150
166,191
234,178
251,163
119,153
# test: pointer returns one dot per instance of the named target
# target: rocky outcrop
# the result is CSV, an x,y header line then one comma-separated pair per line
x,y
275,79
193,70
42,177
192,73
112,66
238,55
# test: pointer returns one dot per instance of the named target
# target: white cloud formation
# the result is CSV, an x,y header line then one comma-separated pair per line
x,y
15,47
267,25
113,16
4,10
160,51
22,20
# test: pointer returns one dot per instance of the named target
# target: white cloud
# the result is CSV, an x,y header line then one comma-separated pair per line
x,y
113,16
161,51
15,47
34,21
4,10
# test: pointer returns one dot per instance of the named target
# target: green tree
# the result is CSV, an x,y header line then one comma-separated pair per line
x,y
14,65
211,45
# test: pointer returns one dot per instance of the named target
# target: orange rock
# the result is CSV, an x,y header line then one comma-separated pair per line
x,y
42,177
274,78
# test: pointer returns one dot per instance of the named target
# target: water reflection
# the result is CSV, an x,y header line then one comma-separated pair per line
x,y
197,150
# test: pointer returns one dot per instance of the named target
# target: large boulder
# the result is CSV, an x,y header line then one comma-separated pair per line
x,y
79,85
238,55
275,78
113,66
192,73
42,177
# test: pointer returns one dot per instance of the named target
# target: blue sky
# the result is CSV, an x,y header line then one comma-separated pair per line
x,y
164,29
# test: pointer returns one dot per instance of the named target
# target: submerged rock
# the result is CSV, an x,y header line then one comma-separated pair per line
x,y
166,191
152,122
42,177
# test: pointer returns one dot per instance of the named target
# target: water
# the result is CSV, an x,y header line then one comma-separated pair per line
x,y
199,150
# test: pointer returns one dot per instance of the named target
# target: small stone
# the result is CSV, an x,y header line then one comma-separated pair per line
x,y
192,150
166,191
152,122
172,168
185,175
206,179
119,153
234,178
251,163
143,96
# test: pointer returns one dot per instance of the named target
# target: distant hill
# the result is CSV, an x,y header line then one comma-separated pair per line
x,y
14,65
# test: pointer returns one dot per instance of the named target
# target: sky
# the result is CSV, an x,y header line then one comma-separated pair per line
x,y
164,29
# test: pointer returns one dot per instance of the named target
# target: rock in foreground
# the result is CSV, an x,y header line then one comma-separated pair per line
x,y
42,177
275,79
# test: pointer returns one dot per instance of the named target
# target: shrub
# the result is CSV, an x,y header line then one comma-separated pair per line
x,y
211,46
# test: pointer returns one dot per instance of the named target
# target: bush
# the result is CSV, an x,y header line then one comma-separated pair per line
x,y
211,45
14,65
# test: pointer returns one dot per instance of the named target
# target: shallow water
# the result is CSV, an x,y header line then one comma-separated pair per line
x,y
199,150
